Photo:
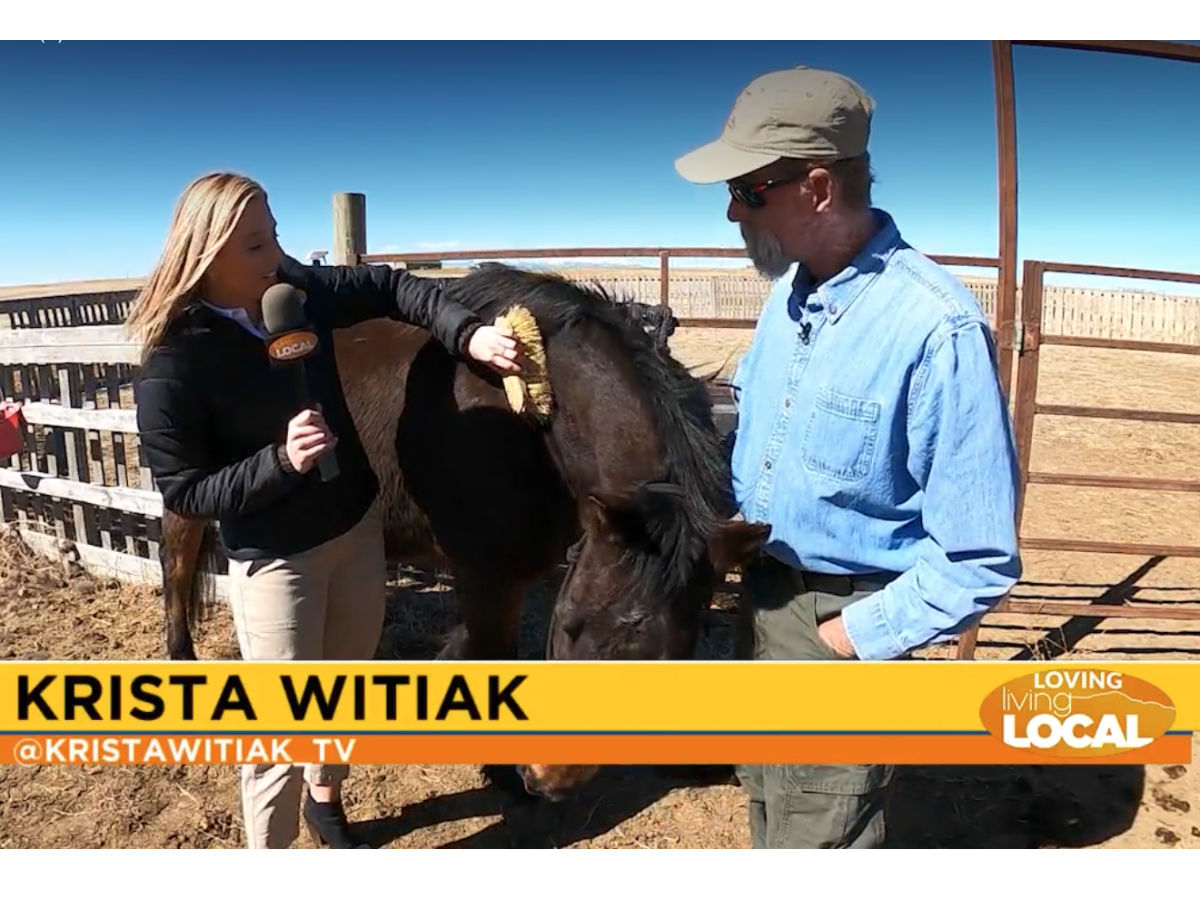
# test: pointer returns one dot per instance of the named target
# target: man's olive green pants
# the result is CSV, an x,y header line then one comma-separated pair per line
x,y
807,806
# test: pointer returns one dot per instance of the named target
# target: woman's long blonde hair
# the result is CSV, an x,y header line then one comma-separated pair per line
x,y
205,216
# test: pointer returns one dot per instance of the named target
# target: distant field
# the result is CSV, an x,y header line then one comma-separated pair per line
x,y
64,288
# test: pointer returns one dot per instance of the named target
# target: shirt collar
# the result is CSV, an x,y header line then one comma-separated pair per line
x,y
237,314
838,292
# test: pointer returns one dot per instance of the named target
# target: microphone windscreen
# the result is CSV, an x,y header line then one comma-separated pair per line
x,y
282,309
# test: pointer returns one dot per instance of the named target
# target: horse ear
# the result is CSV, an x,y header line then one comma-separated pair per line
x,y
595,514
604,513
735,543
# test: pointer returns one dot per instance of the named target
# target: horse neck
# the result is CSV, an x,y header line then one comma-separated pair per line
x,y
604,431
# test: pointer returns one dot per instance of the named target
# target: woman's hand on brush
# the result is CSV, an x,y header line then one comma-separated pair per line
x,y
494,345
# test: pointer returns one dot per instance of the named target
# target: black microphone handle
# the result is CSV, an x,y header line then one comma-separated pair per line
x,y
327,462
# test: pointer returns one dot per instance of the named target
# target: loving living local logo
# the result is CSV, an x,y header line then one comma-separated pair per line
x,y
293,345
1077,713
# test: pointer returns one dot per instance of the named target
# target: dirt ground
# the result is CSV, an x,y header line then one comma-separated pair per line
x,y
48,613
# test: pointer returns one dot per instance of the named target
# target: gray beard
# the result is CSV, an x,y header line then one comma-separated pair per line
x,y
766,253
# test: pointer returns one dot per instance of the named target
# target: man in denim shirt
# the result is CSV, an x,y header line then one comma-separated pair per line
x,y
873,434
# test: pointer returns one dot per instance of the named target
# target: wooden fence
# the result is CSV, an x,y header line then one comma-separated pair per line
x,y
68,310
80,476
733,298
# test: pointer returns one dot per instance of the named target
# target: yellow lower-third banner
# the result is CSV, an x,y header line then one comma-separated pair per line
x,y
607,713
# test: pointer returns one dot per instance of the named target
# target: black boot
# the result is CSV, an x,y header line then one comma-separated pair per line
x,y
327,825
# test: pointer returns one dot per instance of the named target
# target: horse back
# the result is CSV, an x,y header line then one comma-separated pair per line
x,y
463,480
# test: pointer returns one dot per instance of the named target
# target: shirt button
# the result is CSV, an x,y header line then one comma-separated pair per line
x,y
787,404
767,466
833,309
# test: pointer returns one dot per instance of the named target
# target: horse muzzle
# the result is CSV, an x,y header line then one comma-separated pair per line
x,y
555,782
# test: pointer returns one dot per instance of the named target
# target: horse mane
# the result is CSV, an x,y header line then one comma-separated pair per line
x,y
697,496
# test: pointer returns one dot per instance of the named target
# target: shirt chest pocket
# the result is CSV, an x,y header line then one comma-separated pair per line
x,y
840,436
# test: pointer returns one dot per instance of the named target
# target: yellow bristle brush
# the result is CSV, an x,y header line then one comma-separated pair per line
x,y
530,389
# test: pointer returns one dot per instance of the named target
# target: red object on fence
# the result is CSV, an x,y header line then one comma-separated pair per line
x,y
12,428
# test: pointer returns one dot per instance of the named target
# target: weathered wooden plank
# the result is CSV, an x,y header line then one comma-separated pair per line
x,y
120,466
1114,414
109,563
98,344
104,520
96,471
55,415
81,336
45,382
143,502
8,509
102,354
1093,480
1169,611
1096,546
74,445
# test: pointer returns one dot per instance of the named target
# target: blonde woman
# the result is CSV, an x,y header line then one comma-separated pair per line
x,y
221,434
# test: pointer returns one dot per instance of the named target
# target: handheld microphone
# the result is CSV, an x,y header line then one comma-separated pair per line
x,y
291,342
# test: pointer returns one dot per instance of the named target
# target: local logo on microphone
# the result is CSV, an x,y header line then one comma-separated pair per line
x,y
292,345
1077,713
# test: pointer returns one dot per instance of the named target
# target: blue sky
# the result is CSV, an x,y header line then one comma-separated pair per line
x,y
473,145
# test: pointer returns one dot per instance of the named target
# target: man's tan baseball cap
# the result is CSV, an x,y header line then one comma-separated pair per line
x,y
801,113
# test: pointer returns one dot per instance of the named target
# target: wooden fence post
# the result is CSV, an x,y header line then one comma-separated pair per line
x,y
349,228
70,392
664,278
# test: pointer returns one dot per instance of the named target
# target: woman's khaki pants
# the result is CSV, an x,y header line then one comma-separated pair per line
x,y
324,603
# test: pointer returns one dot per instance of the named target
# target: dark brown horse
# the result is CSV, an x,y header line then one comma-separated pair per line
x,y
628,480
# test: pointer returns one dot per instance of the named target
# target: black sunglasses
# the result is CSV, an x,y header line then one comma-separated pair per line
x,y
752,195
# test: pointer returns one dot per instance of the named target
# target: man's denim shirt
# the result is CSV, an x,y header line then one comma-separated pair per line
x,y
873,436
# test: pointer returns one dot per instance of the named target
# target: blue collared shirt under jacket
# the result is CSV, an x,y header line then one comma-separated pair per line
x,y
238,314
873,436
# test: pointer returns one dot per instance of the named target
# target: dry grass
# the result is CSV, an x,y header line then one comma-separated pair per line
x,y
46,612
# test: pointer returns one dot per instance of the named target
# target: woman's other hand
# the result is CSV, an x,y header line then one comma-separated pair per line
x,y
494,346
307,437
